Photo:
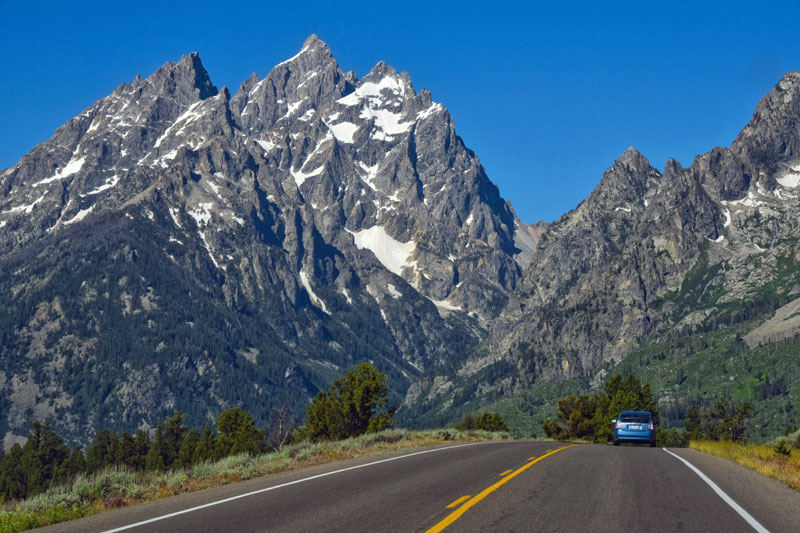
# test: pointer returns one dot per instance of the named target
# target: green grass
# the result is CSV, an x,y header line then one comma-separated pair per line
x,y
759,457
113,488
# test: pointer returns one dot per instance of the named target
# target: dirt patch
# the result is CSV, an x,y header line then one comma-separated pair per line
x,y
784,324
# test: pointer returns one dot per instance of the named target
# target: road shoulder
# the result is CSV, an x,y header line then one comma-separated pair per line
x,y
774,504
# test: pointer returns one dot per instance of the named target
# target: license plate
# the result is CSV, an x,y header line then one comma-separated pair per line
x,y
636,426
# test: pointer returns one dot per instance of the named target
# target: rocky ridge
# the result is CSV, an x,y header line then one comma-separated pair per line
x,y
620,267
176,246
175,238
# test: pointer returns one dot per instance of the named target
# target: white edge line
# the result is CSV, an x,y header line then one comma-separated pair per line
x,y
721,493
218,502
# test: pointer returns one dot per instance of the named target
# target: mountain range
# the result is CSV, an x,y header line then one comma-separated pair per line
x,y
179,247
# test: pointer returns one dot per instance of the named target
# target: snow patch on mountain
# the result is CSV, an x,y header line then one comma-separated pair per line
x,y
316,300
28,208
187,117
372,91
266,145
394,292
388,123
201,214
300,176
371,172
343,131
80,216
71,168
790,180
392,254
109,183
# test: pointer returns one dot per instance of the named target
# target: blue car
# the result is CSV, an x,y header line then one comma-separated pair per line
x,y
634,426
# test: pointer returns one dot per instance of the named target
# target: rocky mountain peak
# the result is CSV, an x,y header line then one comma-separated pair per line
x,y
311,79
632,160
771,136
672,167
625,185
313,54
188,77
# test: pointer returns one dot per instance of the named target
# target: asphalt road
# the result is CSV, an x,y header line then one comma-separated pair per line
x,y
498,486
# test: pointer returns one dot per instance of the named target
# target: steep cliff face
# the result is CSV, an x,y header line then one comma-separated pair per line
x,y
626,263
176,247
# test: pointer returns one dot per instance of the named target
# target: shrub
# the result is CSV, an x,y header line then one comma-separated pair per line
x,y
671,438
782,449
485,421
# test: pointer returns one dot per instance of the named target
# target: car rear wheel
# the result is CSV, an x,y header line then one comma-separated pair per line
x,y
616,443
653,444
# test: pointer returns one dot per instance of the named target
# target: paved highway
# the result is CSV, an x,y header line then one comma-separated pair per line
x,y
497,486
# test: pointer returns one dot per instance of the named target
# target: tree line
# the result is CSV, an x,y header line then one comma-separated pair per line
x,y
353,405
589,417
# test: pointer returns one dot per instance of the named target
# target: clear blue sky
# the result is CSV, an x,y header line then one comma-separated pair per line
x,y
547,94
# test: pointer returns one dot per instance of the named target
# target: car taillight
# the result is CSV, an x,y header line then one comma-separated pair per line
x,y
619,426
650,427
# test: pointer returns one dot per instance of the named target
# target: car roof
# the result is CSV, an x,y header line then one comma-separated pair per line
x,y
635,412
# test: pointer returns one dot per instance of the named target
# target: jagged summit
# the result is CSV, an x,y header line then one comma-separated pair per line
x,y
174,247
188,73
313,52
771,134
309,219
632,159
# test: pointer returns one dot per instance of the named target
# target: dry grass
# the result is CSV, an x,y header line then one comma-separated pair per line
x,y
759,457
114,488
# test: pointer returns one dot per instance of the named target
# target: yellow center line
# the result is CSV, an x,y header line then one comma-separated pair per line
x,y
455,503
506,472
455,515
531,458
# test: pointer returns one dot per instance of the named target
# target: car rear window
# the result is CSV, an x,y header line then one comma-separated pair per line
x,y
634,418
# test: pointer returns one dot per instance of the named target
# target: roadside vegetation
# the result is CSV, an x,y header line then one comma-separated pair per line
x,y
780,461
720,430
43,482
589,418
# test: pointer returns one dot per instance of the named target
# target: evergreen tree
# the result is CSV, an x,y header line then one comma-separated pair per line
x,y
126,451
467,422
491,422
103,451
187,449
163,451
586,416
351,407
238,433
49,451
73,465
693,423
206,449
141,443
172,438
154,460
13,482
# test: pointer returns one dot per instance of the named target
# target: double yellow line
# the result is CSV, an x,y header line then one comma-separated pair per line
x,y
455,515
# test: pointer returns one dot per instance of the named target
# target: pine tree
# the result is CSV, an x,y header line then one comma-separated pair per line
x,y
188,446
351,407
73,465
13,482
206,449
103,451
141,443
238,433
